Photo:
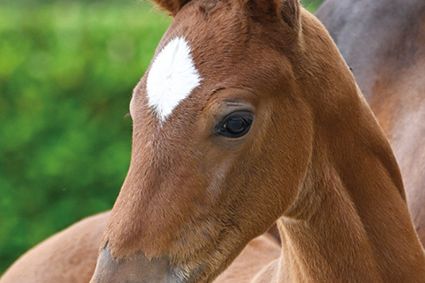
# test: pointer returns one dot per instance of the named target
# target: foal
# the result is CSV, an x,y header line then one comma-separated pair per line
x,y
78,236
249,115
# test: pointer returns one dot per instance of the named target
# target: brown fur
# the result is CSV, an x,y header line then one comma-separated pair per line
x,y
338,188
387,54
68,256
171,6
337,191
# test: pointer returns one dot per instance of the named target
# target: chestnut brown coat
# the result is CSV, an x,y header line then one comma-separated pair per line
x,y
336,192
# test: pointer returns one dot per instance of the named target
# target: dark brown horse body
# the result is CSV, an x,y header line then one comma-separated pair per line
x,y
384,43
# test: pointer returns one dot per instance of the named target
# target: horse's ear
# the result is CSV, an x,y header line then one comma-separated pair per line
x,y
290,11
171,6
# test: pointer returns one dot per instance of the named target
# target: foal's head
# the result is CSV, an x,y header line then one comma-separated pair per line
x,y
223,129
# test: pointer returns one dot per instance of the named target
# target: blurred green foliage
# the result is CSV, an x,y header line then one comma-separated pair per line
x,y
67,70
311,5
66,76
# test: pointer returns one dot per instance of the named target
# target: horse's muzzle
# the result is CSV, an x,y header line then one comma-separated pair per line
x,y
137,269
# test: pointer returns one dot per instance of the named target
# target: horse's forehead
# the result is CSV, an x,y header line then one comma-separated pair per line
x,y
199,52
172,77
179,67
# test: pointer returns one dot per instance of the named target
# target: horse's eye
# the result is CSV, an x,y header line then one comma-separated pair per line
x,y
235,125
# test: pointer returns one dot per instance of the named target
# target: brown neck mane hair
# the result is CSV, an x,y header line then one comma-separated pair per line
x,y
314,159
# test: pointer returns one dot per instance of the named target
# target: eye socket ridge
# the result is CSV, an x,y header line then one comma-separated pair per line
x,y
235,124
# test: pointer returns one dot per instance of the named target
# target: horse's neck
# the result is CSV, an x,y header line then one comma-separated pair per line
x,y
350,221
351,227
373,34
384,42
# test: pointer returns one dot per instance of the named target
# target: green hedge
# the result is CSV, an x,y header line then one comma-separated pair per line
x,y
66,75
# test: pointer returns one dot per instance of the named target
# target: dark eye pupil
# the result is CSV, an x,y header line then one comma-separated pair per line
x,y
235,124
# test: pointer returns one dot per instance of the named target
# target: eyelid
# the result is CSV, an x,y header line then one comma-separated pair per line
x,y
219,91
234,103
236,110
236,106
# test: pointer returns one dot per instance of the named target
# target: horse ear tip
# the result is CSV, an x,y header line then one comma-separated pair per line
x,y
171,7
290,10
